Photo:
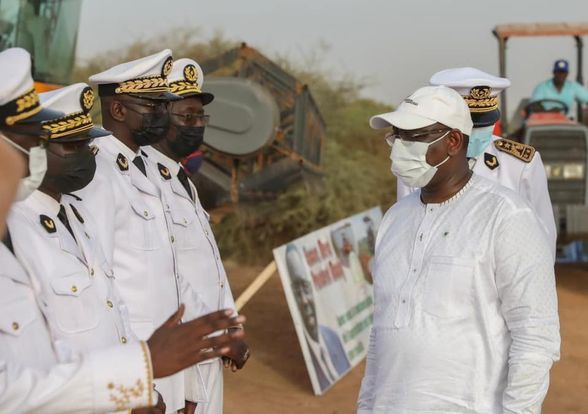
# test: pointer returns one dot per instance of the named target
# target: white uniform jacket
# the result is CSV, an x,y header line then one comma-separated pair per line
x,y
133,229
199,263
518,167
32,380
70,275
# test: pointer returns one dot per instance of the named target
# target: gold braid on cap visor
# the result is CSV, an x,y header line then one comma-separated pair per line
x,y
184,87
69,125
143,85
22,107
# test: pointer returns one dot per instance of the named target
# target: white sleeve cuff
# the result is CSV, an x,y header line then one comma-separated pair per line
x,y
123,377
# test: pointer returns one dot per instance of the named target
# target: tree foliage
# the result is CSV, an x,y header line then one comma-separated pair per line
x,y
356,165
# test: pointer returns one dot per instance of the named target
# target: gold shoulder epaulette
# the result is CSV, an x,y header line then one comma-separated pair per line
x,y
523,152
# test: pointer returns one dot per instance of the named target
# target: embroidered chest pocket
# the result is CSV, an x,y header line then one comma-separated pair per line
x,y
143,234
75,304
20,312
448,287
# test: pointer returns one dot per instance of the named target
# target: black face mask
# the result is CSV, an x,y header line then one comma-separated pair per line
x,y
188,139
75,171
154,126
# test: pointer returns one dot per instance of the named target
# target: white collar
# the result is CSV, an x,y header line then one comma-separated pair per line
x,y
158,156
44,202
115,145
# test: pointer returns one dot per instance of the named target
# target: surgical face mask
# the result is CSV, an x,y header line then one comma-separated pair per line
x,y
479,140
70,172
188,139
154,126
37,169
409,162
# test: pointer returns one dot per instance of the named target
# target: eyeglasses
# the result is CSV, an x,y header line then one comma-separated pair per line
x,y
153,107
390,138
192,119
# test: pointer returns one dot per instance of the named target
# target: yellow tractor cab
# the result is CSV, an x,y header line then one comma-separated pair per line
x,y
561,141
48,30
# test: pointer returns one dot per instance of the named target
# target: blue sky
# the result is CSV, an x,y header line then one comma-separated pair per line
x,y
393,45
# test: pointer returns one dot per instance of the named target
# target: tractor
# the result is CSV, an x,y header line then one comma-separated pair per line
x,y
561,141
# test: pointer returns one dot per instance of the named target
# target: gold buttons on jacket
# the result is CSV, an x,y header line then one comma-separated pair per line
x,y
92,272
109,303
146,213
173,239
123,340
74,288
15,326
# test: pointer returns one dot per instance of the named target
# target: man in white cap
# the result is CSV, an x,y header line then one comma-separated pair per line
x,y
33,378
465,305
197,254
127,205
512,164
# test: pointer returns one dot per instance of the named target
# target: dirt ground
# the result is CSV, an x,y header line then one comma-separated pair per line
x,y
275,379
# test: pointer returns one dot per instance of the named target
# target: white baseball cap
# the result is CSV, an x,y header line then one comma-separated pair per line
x,y
426,106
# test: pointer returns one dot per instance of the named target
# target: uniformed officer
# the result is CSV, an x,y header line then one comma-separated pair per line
x,y
32,378
127,205
512,164
54,238
197,254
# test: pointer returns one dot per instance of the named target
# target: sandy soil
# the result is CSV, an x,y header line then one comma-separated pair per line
x,y
275,379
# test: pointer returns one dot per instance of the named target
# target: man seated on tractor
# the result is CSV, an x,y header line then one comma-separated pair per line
x,y
558,88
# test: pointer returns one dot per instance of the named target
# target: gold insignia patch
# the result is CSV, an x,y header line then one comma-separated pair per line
x,y
164,171
480,92
87,99
190,73
167,67
523,152
48,223
480,99
122,162
491,161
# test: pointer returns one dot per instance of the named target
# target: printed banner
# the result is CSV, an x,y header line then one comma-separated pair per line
x,y
328,284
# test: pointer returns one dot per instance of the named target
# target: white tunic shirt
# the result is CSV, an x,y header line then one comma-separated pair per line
x,y
528,179
465,307
134,232
32,380
199,263
198,257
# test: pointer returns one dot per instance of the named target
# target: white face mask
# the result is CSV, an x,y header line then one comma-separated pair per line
x,y
409,162
37,168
